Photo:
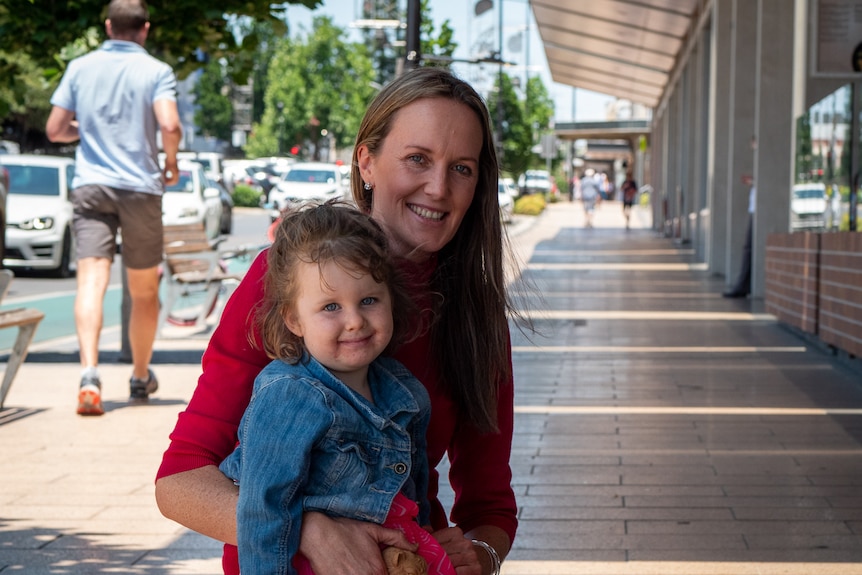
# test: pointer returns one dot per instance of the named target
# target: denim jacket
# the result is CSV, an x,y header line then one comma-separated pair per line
x,y
307,442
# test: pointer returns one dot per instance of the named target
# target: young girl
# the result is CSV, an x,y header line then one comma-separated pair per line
x,y
331,426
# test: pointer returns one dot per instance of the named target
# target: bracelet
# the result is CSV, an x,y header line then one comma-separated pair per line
x,y
495,559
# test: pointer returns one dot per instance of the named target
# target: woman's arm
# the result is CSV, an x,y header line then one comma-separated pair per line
x,y
202,499
189,487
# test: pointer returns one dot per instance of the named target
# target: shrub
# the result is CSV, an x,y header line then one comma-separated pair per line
x,y
530,205
246,197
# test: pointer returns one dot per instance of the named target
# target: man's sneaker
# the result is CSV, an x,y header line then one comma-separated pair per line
x,y
141,390
90,396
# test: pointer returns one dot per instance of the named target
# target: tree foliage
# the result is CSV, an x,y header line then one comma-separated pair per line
x,y
214,112
178,28
433,43
523,121
314,84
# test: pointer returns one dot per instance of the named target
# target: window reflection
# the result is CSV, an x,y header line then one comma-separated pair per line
x,y
819,199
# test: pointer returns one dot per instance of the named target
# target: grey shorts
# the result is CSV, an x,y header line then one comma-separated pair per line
x,y
100,211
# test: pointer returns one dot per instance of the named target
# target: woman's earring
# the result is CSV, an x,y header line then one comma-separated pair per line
x,y
368,187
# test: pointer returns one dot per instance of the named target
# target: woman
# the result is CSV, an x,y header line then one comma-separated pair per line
x,y
424,168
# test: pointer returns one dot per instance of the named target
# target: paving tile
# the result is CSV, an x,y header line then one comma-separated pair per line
x,y
630,490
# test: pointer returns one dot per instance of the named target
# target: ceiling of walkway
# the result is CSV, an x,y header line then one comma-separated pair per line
x,y
624,48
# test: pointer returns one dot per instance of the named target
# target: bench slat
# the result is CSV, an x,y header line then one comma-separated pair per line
x,y
19,317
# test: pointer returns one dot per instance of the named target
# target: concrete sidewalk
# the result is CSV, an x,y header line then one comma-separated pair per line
x,y
659,429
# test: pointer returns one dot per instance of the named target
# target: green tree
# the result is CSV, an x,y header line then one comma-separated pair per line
x,y
25,101
523,122
314,84
516,131
440,44
179,29
214,109
386,55
538,109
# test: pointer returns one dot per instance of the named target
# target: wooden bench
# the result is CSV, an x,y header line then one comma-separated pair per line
x,y
26,320
193,274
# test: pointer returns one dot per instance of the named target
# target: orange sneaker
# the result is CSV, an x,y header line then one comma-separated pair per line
x,y
90,397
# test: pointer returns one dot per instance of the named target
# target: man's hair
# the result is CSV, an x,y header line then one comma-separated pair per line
x,y
127,16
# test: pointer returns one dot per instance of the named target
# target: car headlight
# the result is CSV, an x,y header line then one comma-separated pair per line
x,y
42,223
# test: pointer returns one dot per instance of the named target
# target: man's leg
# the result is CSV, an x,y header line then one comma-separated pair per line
x,y
93,276
144,291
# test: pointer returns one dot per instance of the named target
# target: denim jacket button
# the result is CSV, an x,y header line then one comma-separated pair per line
x,y
400,468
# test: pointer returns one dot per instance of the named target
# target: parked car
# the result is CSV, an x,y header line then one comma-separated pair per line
x,y
305,182
258,174
191,200
808,206
226,224
39,219
506,199
535,182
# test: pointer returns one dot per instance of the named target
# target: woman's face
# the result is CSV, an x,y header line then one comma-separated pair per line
x,y
424,175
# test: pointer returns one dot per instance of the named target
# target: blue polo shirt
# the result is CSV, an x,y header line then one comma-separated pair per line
x,y
112,91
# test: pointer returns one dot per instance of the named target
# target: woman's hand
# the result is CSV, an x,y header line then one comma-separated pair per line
x,y
339,546
460,550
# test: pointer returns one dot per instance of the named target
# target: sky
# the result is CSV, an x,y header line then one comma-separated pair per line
x,y
475,36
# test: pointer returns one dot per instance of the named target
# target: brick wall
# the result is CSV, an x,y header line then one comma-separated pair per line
x,y
792,272
840,316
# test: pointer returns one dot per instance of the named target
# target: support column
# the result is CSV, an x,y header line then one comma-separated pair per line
x,y
741,129
719,135
775,129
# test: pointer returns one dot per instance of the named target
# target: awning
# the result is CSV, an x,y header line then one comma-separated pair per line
x,y
623,48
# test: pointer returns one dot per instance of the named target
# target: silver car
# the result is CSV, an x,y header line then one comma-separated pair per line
x,y
39,214
309,181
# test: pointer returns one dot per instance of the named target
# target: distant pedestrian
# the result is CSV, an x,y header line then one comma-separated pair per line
x,y
742,287
590,194
630,191
113,100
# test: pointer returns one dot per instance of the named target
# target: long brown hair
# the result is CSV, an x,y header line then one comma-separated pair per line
x,y
470,337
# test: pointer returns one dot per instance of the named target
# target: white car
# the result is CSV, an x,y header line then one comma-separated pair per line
x,y
535,182
309,181
191,200
808,206
39,214
506,199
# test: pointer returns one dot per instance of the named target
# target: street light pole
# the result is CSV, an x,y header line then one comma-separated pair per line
x,y
414,47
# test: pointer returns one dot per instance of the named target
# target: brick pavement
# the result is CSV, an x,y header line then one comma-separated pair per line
x,y
659,429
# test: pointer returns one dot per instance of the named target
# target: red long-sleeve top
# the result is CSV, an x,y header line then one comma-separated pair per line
x,y
206,431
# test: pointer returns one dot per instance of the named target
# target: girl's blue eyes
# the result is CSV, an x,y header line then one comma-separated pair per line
x,y
364,301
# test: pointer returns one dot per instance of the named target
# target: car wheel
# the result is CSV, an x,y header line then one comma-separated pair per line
x,y
64,270
227,222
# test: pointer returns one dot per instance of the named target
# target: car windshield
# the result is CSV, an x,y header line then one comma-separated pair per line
x,y
185,185
312,176
205,163
807,193
33,180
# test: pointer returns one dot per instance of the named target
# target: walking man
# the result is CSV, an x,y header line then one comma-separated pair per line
x,y
113,100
